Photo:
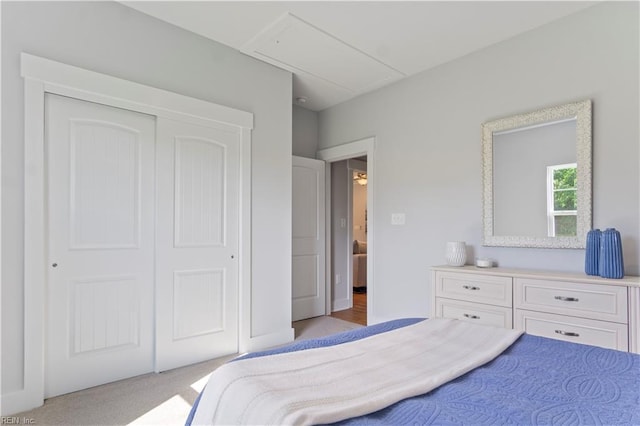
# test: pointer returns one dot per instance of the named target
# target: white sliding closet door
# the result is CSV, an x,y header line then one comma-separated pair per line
x,y
100,181
140,209
197,243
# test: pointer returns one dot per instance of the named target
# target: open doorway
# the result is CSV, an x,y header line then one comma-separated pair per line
x,y
340,230
349,237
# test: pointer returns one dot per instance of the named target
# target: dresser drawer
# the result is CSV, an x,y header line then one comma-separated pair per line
x,y
477,313
577,330
595,301
494,290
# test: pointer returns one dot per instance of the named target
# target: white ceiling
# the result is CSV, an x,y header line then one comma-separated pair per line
x,y
340,49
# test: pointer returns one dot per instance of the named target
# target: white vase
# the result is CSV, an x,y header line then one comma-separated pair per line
x,y
456,253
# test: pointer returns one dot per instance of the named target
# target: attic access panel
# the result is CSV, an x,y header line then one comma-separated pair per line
x,y
295,45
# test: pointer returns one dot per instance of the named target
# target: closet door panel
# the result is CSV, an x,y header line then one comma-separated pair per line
x,y
100,173
197,243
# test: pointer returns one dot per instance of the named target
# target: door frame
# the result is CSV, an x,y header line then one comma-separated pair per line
x,y
360,147
46,76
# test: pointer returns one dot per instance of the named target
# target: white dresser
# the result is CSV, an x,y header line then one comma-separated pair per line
x,y
566,306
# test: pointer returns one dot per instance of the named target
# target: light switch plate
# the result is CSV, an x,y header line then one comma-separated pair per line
x,y
397,218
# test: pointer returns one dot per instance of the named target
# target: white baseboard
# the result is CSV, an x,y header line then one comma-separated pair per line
x,y
17,402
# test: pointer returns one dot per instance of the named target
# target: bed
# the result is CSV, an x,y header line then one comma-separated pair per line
x,y
534,381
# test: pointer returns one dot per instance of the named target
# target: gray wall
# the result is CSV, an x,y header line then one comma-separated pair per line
x,y
112,39
341,245
428,156
305,132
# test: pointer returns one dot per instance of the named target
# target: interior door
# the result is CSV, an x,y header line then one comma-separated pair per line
x,y
197,243
100,174
308,262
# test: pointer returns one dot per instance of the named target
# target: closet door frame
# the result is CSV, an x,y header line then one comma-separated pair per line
x,y
46,76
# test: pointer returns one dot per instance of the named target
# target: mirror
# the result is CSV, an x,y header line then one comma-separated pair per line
x,y
537,178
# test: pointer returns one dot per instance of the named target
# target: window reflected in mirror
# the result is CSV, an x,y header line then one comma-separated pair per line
x,y
562,200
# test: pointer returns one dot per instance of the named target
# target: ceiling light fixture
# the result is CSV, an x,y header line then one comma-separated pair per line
x,y
360,178
301,99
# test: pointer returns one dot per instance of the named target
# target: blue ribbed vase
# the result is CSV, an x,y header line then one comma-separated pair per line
x,y
611,262
592,255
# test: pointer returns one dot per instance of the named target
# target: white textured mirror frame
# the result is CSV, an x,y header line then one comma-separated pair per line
x,y
581,113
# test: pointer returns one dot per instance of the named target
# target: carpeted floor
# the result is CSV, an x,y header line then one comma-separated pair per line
x,y
152,399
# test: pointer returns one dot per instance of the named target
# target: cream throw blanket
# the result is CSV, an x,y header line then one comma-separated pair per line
x,y
334,383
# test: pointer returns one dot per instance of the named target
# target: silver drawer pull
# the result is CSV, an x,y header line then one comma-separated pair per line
x,y
470,287
566,299
471,316
567,333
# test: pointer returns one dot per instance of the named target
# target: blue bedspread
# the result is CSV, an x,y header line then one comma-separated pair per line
x,y
536,381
